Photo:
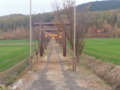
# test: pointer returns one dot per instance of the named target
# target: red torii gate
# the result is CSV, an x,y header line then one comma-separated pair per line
x,y
51,30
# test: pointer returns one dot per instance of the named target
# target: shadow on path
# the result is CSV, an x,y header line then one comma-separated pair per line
x,y
69,79
42,83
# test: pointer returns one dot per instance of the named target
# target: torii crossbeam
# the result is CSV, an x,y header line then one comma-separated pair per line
x,y
41,24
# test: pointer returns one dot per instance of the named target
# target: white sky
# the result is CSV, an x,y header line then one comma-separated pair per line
x,y
22,6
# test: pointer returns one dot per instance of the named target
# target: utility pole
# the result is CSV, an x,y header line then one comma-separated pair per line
x,y
74,40
30,62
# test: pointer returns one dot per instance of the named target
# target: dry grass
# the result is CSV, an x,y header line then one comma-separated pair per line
x,y
107,71
113,77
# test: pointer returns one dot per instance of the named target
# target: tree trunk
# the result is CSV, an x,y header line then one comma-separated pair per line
x,y
64,45
78,58
116,35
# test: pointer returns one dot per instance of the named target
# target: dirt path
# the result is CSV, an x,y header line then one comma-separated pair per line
x,y
52,73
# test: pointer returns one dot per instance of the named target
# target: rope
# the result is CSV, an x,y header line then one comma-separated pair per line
x,y
52,35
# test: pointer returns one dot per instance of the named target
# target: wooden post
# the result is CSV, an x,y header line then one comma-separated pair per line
x,y
74,40
64,44
41,44
41,49
30,62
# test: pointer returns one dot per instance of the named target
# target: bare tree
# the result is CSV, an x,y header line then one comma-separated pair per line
x,y
116,30
64,13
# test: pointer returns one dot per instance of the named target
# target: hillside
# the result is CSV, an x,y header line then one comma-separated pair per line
x,y
11,22
101,5
10,16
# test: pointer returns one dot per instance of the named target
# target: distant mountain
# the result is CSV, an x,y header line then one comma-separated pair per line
x,y
100,5
10,16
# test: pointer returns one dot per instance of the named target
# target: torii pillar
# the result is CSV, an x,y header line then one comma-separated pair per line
x,y
64,44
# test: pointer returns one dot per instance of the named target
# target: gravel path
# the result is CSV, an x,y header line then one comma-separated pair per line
x,y
54,76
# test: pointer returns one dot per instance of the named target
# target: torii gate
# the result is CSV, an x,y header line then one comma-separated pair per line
x,y
62,35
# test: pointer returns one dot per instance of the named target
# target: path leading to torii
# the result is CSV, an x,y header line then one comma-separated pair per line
x,y
52,72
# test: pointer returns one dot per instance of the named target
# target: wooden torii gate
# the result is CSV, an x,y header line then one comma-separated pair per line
x,y
51,30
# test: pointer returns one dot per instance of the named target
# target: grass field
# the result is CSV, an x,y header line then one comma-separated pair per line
x,y
106,49
12,54
13,41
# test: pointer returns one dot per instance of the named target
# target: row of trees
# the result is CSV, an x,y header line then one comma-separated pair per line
x,y
98,19
107,20
18,33
17,20
13,26
11,22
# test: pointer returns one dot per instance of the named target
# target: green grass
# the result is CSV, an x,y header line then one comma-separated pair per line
x,y
10,55
13,41
106,49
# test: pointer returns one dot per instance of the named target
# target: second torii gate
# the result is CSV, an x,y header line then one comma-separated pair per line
x,y
52,30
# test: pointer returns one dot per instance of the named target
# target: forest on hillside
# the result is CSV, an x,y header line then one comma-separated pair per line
x,y
18,20
112,17
101,5
17,25
105,22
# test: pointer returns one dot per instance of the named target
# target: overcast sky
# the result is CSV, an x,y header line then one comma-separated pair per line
x,y
22,6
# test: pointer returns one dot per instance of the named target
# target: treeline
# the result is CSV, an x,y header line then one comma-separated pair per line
x,y
105,24
17,25
101,5
11,22
111,17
